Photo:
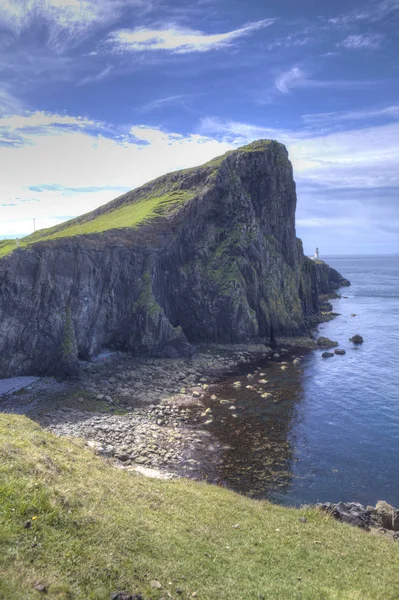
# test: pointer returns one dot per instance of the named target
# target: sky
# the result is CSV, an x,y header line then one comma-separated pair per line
x,y
99,96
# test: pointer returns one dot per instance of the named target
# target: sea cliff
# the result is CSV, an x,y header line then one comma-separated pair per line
x,y
202,255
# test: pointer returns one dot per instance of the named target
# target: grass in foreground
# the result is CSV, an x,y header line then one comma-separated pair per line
x,y
96,530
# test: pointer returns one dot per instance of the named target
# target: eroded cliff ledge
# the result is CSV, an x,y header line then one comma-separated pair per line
x,y
203,255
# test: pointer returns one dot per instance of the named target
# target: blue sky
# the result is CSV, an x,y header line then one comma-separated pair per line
x,y
99,96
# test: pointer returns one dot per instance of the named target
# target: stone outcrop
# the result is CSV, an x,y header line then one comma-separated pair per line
x,y
382,515
223,266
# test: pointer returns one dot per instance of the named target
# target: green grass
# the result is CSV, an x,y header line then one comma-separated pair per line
x,y
95,530
7,246
127,215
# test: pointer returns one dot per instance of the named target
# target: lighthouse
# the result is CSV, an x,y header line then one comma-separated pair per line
x,y
316,254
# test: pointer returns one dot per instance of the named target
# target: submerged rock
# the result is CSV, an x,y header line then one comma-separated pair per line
x,y
327,355
356,339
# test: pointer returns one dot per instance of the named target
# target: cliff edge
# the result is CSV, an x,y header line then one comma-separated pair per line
x,y
208,254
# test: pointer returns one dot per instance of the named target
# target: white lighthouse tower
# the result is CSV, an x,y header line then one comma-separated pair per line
x,y
316,254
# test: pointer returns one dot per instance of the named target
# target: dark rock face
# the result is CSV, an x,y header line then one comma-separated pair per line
x,y
226,267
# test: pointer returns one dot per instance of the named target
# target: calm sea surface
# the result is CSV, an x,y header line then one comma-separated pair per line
x,y
330,431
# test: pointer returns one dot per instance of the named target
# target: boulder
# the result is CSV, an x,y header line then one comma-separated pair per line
x,y
327,355
387,515
339,351
325,342
356,339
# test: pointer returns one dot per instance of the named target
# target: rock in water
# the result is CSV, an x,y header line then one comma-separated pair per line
x,y
327,354
339,351
208,254
356,339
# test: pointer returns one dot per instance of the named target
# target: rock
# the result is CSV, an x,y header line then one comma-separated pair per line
x,y
327,354
382,516
276,355
356,339
40,587
156,585
387,515
339,351
237,384
324,342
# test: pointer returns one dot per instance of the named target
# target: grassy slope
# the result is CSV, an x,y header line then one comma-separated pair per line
x,y
96,530
141,209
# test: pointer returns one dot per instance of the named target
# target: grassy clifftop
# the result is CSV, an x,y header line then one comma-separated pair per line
x,y
82,529
158,198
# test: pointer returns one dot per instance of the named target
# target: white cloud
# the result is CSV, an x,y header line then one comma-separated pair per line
x,y
287,80
40,119
361,41
178,40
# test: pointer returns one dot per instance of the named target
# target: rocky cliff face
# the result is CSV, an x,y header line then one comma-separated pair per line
x,y
223,265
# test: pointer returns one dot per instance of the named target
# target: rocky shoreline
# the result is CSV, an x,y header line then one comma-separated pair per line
x,y
149,416
144,414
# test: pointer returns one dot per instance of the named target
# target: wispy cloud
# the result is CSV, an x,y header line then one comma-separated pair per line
x,y
352,115
296,77
177,100
9,103
98,77
289,79
68,21
371,11
178,40
362,41
291,40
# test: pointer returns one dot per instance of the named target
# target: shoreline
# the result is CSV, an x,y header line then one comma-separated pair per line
x,y
153,416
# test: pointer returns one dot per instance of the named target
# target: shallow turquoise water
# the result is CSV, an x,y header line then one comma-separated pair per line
x,y
333,432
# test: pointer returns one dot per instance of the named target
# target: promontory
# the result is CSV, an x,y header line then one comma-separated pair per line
x,y
202,255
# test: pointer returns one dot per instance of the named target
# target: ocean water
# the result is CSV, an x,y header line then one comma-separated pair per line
x,y
331,430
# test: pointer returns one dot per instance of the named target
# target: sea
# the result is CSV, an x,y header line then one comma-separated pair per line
x,y
329,428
